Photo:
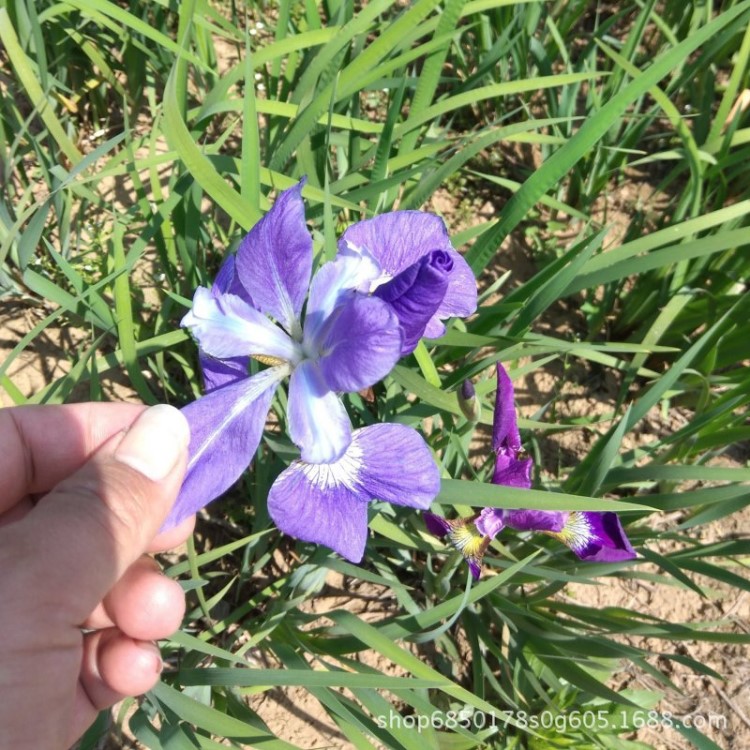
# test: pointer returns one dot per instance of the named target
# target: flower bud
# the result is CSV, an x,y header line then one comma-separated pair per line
x,y
468,401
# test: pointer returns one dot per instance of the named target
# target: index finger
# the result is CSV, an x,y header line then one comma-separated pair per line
x,y
41,445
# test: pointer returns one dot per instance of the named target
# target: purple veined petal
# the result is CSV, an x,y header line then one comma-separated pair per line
x,y
505,434
326,503
491,521
226,326
596,537
219,372
396,465
225,429
317,503
226,281
359,344
399,238
536,520
353,270
317,420
274,260
416,293
511,471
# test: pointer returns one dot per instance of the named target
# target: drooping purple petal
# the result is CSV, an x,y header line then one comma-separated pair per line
x,y
326,503
226,326
359,344
491,521
317,420
535,520
274,260
399,239
505,436
416,294
225,429
352,270
219,372
396,465
596,536
315,503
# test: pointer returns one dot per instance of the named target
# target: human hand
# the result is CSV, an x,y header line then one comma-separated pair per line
x,y
81,602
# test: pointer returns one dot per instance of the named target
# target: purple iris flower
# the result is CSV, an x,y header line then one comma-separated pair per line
x,y
357,322
418,264
594,536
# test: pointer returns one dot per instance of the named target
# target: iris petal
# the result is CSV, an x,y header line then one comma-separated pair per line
x,y
326,503
359,344
512,472
317,503
397,465
399,239
416,293
505,436
317,420
219,372
352,270
225,429
535,520
226,326
274,260
596,536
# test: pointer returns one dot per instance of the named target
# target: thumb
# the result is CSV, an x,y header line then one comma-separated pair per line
x,y
82,536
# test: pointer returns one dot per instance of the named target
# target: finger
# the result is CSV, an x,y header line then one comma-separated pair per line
x,y
82,537
144,604
113,667
16,512
173,537
41,445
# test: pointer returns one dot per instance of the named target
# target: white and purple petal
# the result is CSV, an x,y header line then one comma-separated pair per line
x,y
353,270
316,503
326,503
317,420
274,260
226,326
225,429
416,293
597,537
359,344
399,239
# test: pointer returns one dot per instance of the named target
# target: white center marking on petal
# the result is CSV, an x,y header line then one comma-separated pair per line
x,y
344,472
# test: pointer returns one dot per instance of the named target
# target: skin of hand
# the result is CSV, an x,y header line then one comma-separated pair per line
x,y
84,491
